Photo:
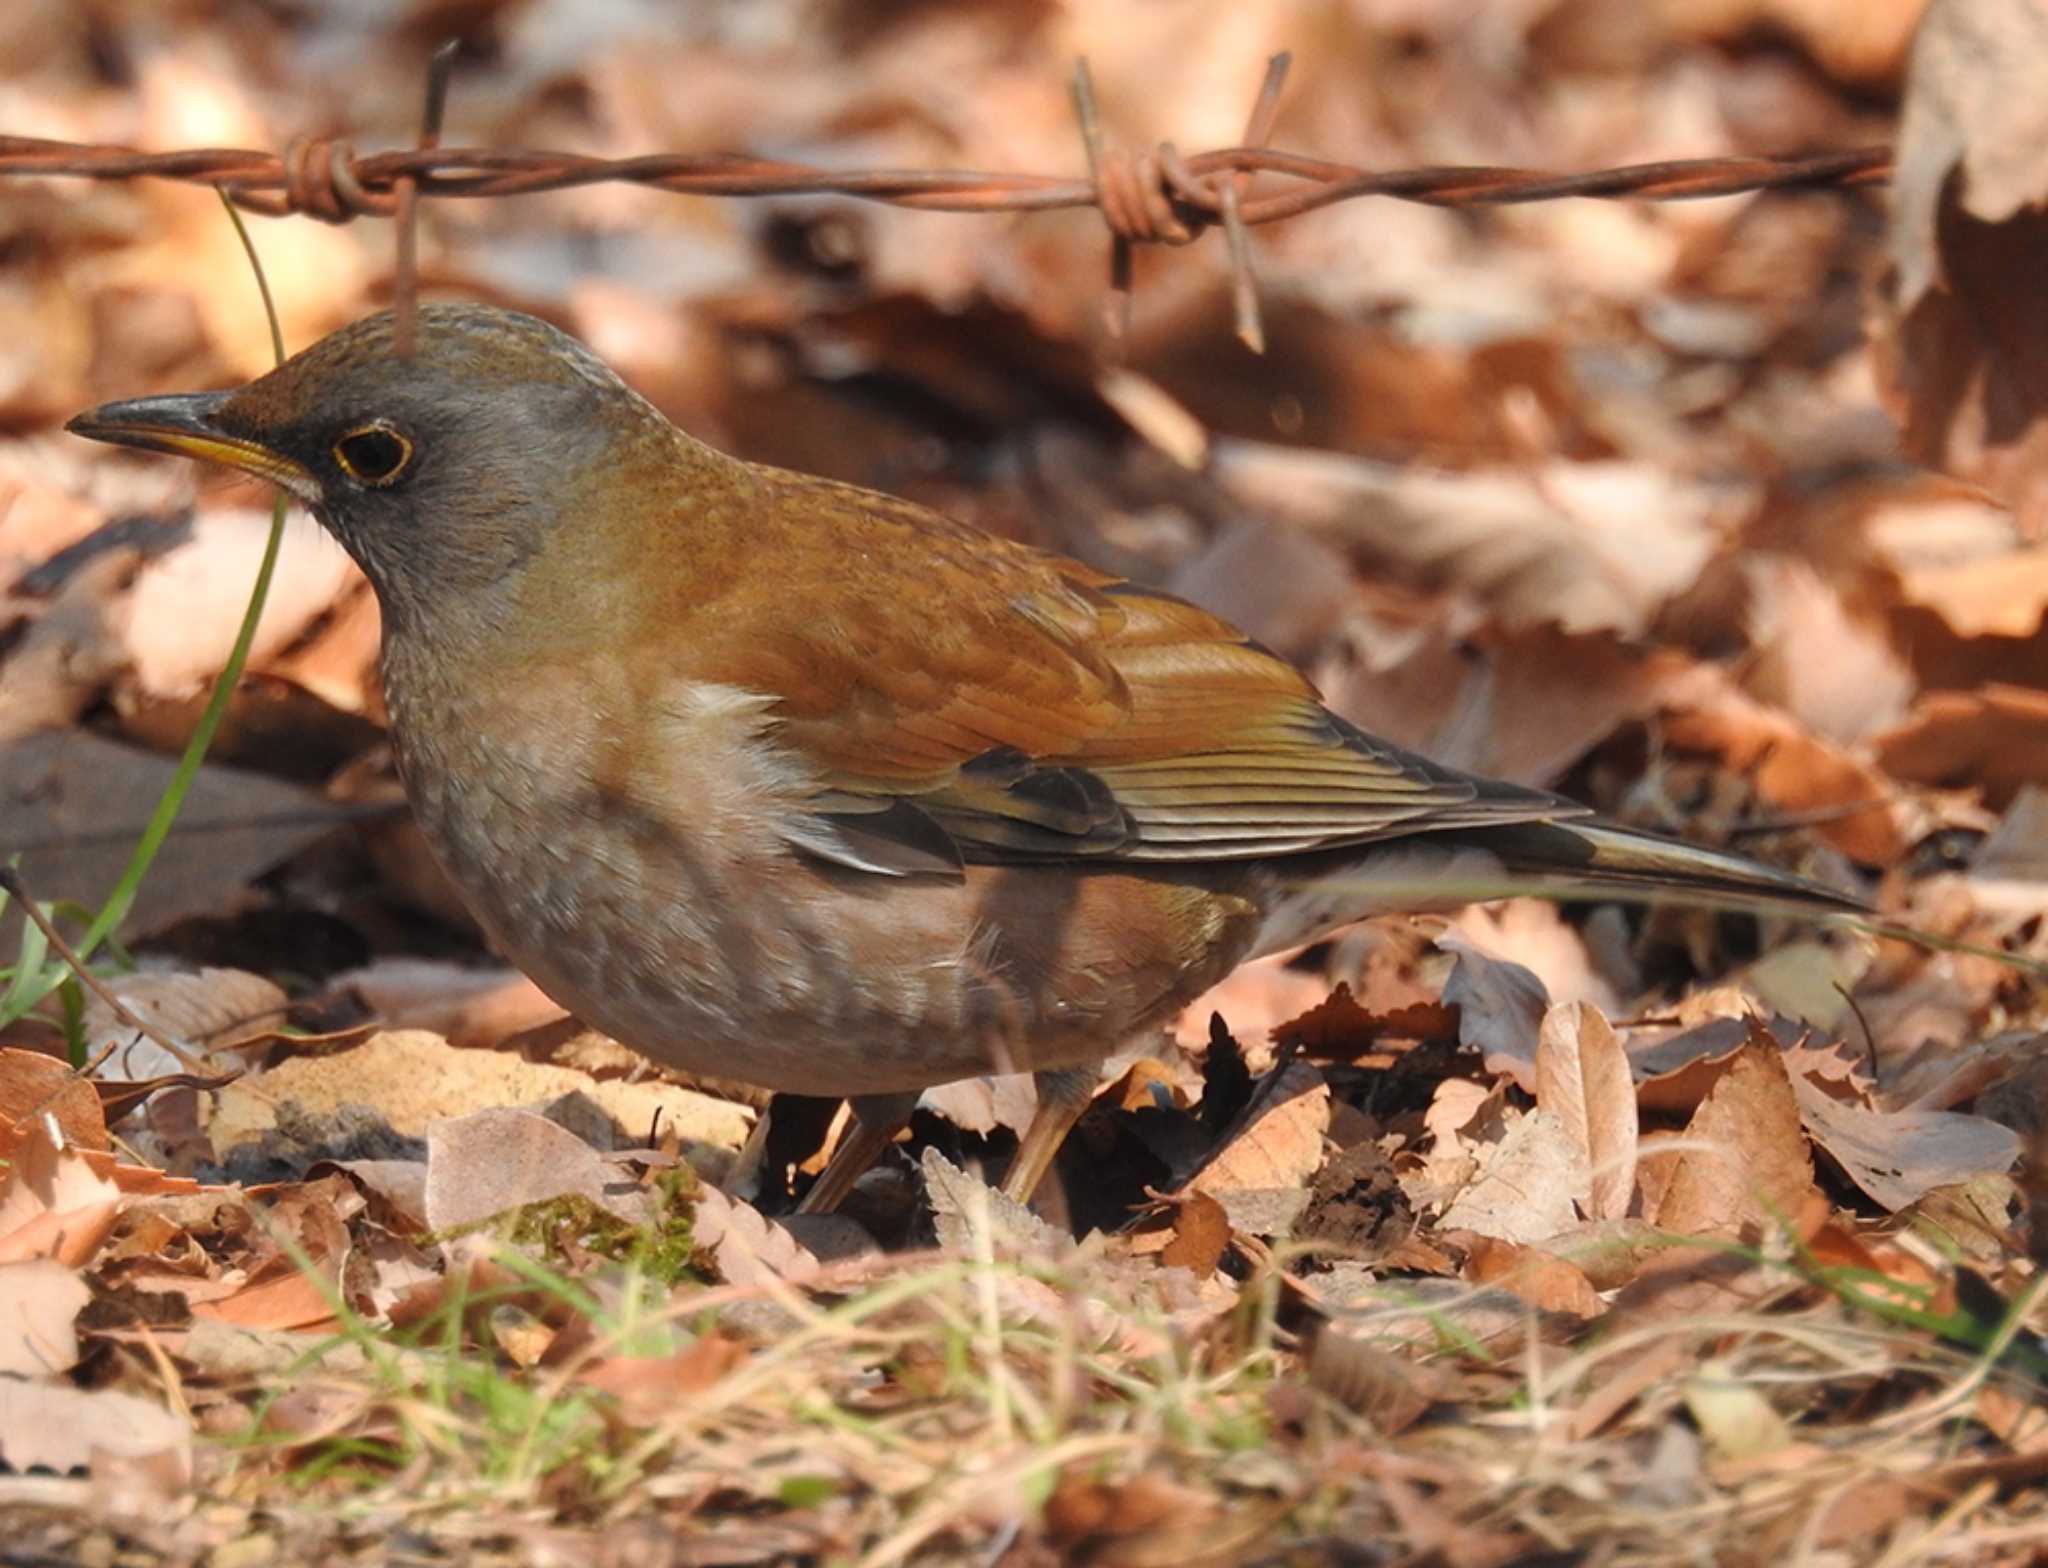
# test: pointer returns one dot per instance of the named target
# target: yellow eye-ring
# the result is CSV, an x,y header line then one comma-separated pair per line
x,y
374,454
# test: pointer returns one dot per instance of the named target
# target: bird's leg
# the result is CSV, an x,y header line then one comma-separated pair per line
x,y
1062,1096
877,1118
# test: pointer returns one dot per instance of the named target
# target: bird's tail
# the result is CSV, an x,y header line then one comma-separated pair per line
x,y
1599,857
1567,861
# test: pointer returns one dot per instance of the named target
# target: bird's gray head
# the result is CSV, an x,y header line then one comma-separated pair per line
x,y
438,471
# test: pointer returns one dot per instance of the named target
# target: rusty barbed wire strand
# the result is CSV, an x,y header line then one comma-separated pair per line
x,y
324,178
1151,197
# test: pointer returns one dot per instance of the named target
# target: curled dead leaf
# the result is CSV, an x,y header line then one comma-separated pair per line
x,y
1742,1168
1389,1390
33,1085
1201,1234
1582,1074
1282,1144
1539,1276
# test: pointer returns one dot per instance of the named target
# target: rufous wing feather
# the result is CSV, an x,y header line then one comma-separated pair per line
x,y
1053,710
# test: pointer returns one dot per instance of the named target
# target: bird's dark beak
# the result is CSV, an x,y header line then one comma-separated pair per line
x,y
185,425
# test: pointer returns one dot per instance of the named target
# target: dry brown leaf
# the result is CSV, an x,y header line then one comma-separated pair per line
x,y
1888,1271
1994,739
1539,1276
1626,1382
1432,1532
1582,1074
1389,1390
490,1161
969,1215
465,1005
650,1389
1677,1283
206,1010
186,605
1900,1156
1917,520
1338,1029
1519,703
1201,1235
1682,1085
1862,42
336,661
387,1277
524,1338
748,1247
1144,1520
399,1187
1973,1219
1995,596
1607,1252
2009,872
1500,1008
1810,979
288,1301
1969,217
65,653
68,1235
40,1300
143,1181
1524,1188
57,1427
1674,1073
118,1099
54,1202
33,1085
1336,1025
1792,771
1534,933
412,1079
1564,544
1460,1126
89,798
1278,583
1862,684
981,1105
2014,1419
1282,1144
1743,1170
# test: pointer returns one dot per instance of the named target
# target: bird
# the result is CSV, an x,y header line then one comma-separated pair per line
x,y
778,779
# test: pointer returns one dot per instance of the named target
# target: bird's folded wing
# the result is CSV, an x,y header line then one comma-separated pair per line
x,y
1043,709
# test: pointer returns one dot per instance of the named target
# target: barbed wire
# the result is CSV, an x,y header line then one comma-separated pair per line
x,y
1151,197
321,178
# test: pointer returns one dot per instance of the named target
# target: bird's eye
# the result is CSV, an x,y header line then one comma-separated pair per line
x,y
373,454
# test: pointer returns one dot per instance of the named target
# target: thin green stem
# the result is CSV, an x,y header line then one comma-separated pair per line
x,y
23,996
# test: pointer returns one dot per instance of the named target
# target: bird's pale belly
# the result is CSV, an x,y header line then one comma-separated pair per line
x,y
771,968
